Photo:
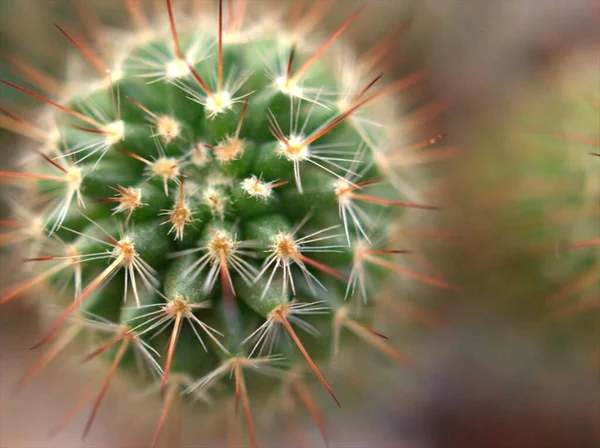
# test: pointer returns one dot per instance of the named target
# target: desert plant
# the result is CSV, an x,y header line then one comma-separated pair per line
x,y
212,189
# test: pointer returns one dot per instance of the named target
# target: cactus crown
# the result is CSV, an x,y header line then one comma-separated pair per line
x,y
218,184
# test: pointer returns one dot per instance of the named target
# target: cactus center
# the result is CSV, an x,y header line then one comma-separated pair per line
x,y
168,128
295,149
230,149
114,132
179,217
284,247
131,198
255,188
177,69
221,245
165,167
342,189
72,253
125,250
199,155
178,305
288,86
218,103
74,177
214,199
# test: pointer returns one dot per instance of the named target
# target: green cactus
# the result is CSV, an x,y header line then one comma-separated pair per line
x,y
219,190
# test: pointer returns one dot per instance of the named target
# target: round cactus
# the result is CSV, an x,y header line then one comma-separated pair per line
x,y
217,191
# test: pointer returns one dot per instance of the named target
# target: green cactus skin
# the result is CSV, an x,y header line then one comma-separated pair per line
x,y
217,188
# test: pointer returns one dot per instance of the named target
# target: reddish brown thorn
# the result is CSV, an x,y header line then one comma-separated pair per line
x,y
137,14
588,243
381,48
105,347
31,176
374,338
171,352
12,116
35,76
594,154
296,12
229,15
104,389
380,201
241,14
10,223
426,142
383,91
309,360
73,410
142,107
51,258
24,128
246,404
211,147
427,113
53,103
376,333
362,184
280,184
311,407
106,200
90,130
75,303
278,134
176,47
52,162
366,89
310,61
86,52
586,278
220,60
237,389
387,251
174,435
290,62
228,293
168,402
24,287
61,343
397,86
133,155
320,266
315,14
241,120
89,20
199,80
404,271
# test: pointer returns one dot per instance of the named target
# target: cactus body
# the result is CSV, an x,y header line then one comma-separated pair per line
x,y
211,199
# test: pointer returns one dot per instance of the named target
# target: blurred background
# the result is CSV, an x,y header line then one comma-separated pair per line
x,y
502,367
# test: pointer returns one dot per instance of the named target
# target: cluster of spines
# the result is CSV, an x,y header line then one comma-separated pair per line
x,y
221,252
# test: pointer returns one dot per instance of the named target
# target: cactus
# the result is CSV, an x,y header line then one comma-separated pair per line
x,y
574,303
215,194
